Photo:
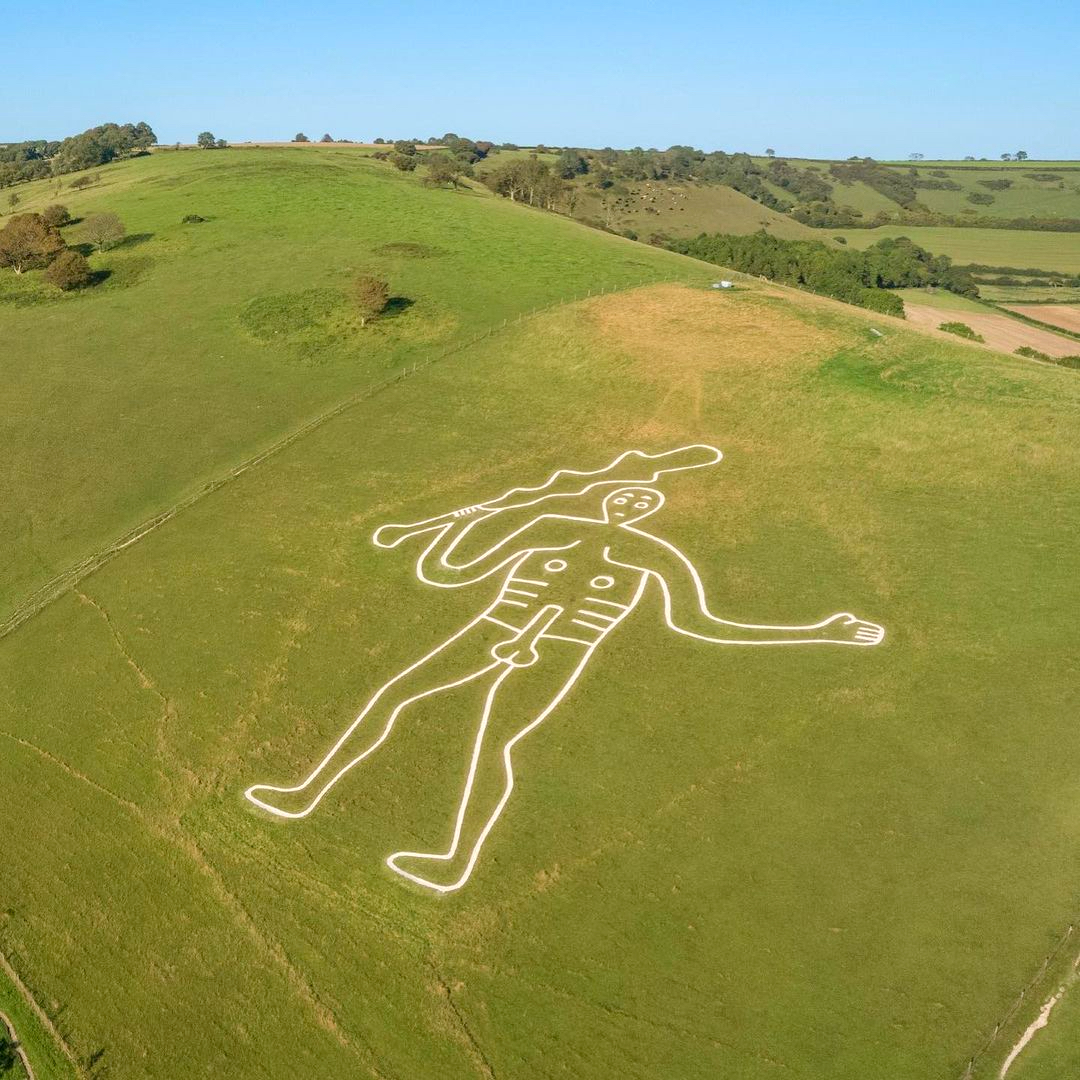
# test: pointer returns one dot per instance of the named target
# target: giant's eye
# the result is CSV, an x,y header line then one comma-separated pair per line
x,y
619,502
641,505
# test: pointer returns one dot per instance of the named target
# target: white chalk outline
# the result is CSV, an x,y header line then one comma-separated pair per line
x,y
520,649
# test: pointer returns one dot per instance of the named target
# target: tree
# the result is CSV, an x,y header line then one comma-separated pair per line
x,y
1021,155
206,140
69,270
327,138
56,216
570,164
104,230
13,200
81,182
443,169
221,144
916,157
300,137
770,152
371,295
27,242
404,162
1006,157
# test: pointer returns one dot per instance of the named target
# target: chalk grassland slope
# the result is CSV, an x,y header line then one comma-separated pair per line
x,y
991,247
686,209
209,341
1035,189
710,852
1025,196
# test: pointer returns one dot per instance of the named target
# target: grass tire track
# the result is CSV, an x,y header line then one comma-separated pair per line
x,y
43,1017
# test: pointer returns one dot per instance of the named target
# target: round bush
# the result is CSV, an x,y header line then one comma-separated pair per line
x,y
69,270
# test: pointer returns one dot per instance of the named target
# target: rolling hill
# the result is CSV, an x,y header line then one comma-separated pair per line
x,y
717,861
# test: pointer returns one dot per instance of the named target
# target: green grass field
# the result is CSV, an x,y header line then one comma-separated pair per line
x,y
817,862
992,247
209,341
941,298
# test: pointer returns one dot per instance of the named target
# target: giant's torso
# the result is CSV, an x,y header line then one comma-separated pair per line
x,y
595,594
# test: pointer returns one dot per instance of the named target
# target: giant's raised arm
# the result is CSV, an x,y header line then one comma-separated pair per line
x,y
437,564
686,609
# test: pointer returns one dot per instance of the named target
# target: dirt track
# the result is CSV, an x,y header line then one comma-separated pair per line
x,y
1066,316
1001,332
18,1048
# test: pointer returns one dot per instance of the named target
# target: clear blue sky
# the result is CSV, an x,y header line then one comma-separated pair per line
x,y
815,78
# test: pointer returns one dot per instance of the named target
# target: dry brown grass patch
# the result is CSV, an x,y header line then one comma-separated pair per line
x,y
677,330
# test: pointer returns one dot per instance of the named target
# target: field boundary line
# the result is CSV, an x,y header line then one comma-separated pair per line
x,y
65,581
13,1036
41,1014
1014,1008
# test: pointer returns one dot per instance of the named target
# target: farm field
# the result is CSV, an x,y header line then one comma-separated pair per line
x,y
1000,331
1024,294
1064,315
992,247
821,862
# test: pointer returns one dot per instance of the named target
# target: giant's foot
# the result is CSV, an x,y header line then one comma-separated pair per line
x,y
284,802
439,872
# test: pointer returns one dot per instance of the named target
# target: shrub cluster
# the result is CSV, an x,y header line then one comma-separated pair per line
x,y
33,242
961,330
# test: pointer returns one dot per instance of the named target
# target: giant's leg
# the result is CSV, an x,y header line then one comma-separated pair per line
x,y
460,659
490,778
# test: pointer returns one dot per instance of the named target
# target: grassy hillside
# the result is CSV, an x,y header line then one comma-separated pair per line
x,y
685,209
717,861
1026,196
209,341
991,247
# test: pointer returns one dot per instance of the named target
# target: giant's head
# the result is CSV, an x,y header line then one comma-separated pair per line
x,y
628,504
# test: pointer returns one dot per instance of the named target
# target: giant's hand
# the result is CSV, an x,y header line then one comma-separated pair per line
x,y
389,536
846,629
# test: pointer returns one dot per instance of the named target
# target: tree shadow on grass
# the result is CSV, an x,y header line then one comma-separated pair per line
x,y
397,305
132,240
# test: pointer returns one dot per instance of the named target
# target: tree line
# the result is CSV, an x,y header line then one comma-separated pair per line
x,y
37,159
856,277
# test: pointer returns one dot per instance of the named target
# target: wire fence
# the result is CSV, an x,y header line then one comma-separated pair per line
x,y
1014,1008
68,579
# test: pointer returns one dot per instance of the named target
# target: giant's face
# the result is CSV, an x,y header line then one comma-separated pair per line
x,y
631,504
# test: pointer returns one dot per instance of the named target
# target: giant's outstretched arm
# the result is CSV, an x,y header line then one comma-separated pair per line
x,y
687,611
